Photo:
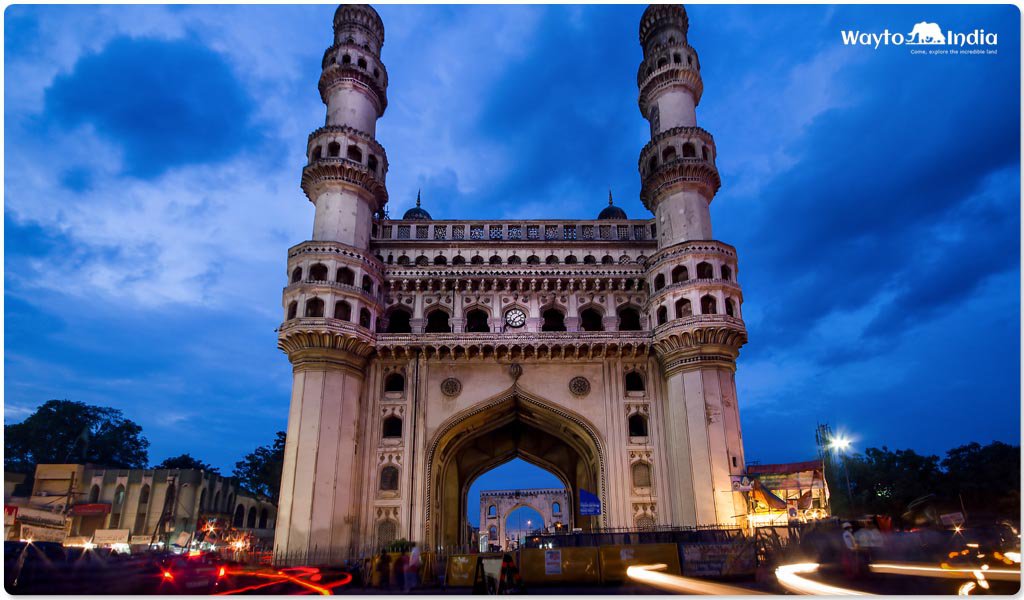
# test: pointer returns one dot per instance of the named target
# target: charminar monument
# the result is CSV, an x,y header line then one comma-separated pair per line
x,y
427,352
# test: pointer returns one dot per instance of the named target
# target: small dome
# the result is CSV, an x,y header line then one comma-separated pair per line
x,y
611,211
416,213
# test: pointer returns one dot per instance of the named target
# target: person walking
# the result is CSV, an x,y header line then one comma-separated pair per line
x,y
384,570
851,554
412,571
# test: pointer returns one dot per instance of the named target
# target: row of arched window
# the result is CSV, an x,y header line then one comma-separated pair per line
x,y
669,154
251,522
346,59
477,320
533,259
681,274
344,275
315,307
352,153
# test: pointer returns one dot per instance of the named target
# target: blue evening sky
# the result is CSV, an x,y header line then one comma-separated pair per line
x,y
152,166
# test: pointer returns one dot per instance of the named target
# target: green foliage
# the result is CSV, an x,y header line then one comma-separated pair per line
x,y
186,461
62,431
260,470
986,477
883,481
402,545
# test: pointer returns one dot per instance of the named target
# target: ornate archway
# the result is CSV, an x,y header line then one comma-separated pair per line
x,y
510,425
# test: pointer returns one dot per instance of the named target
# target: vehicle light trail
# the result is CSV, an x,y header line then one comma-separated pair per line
x,y
925,570
682,585
281,578
789,577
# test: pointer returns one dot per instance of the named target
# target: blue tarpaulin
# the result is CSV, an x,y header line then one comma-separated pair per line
x,y
589,504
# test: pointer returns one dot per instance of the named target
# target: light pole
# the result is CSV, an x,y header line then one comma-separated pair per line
x,y
840,445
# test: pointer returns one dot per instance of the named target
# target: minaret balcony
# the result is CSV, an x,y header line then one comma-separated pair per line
x,y
311,287
678,142
340,170
677,55
668,76
679,174
335,141
361,76
726,285
700,338
321,334
353,55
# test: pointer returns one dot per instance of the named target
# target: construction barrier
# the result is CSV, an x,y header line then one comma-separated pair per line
x,y
461,568
718,560
616,559
559,565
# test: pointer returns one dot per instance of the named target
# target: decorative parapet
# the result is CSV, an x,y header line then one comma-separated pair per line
x,y
502,346
516,232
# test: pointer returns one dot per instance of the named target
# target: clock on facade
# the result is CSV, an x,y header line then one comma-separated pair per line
x,y
515,318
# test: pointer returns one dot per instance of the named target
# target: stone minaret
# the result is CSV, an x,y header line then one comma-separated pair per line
x,y
695,300
333,298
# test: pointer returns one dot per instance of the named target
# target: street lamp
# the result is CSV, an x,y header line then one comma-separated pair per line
x,y
840,444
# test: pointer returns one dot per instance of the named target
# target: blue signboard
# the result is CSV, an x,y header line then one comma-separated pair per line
x,y
589,504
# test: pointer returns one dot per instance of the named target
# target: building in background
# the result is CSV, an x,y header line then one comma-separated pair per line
x,y
79,504
497,505
785,492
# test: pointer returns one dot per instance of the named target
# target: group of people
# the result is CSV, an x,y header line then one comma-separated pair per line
x,y
403,570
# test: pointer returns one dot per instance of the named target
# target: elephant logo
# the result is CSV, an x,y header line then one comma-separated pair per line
x,y
926,33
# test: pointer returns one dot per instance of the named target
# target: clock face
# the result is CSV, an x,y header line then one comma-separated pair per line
x,y
515,318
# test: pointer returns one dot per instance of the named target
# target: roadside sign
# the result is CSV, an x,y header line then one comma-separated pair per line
x,y
104,537
552,562
141,540
41,534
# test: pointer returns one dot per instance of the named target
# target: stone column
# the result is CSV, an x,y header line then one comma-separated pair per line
x,y
319,483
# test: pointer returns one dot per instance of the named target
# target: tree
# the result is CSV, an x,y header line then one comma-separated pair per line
x,y
882,481
985,478
186,461
62,431
260,471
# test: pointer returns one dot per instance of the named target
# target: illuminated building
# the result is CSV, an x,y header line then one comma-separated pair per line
x,y
426,352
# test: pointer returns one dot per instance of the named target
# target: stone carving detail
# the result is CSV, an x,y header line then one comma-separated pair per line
x,y
451,387
516,370
579,386
713,413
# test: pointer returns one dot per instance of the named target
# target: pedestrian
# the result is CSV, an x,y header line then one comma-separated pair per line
x,y
412,573
851,557
401,563
384,570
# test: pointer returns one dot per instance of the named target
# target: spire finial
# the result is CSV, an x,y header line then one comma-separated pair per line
x,y
609,196
418,198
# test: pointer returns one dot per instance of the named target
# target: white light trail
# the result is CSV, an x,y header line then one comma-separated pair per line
x,y
789,578
683,585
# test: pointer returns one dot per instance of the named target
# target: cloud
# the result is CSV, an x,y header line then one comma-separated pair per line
x,y
164,103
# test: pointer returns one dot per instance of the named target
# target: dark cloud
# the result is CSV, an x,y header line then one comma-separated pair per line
x,y
166,103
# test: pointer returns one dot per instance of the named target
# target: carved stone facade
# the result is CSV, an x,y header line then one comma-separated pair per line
x,y
427,352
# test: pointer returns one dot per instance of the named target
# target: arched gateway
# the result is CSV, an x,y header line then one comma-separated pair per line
x,y
511,425
602,350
